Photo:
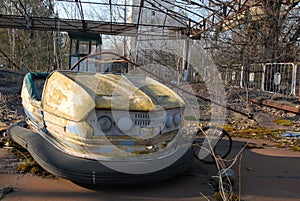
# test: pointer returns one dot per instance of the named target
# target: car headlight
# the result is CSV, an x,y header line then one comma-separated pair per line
x,y
105,123
177,119
124,123
169,121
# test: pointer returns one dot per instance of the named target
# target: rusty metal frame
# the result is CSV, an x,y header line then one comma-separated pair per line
x,y
55,24
277,105
193,28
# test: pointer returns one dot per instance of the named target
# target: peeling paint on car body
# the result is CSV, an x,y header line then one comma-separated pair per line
x,y
65,98
111,88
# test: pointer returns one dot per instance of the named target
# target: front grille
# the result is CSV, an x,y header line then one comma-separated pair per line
x,y
148,119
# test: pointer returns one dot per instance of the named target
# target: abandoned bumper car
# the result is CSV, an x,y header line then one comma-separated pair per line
x,y
104,126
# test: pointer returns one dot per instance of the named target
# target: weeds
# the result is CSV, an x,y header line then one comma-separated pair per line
x,y
28,164
284,122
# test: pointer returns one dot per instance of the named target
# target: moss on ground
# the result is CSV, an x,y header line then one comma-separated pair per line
x,y
296,148
284,122
268,134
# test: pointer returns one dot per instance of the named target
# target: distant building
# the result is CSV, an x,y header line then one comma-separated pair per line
x,y
151,14
158,41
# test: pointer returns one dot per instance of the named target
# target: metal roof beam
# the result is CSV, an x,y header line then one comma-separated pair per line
x,y
58,24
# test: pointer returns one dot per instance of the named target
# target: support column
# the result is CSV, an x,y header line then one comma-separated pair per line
x,y
186,58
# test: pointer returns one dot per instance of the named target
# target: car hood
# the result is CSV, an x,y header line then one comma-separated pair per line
x,y
127,92
72,95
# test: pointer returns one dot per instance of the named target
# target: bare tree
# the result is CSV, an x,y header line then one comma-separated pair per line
x,y
268,32
32,50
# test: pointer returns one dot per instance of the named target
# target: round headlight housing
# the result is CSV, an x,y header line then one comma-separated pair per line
x,y
124,123
177,119
105,123
169,121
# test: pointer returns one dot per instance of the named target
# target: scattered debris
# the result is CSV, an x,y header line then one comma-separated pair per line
x,y
289,139
290,134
